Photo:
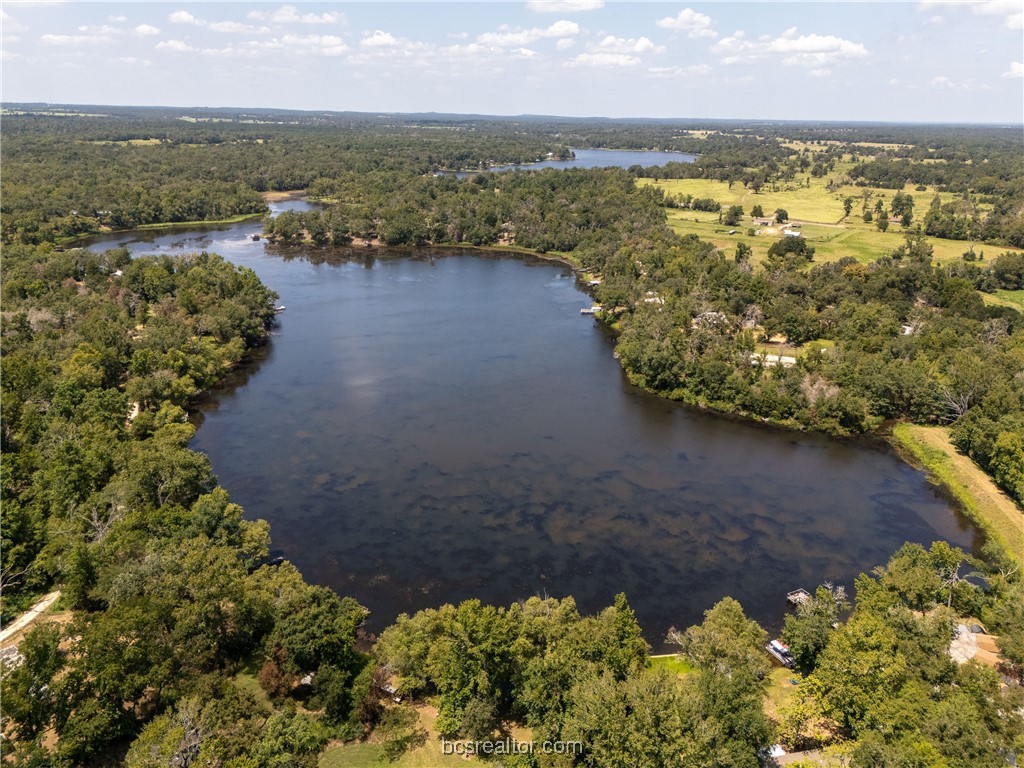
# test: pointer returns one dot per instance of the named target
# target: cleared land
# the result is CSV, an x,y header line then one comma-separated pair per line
x,y
817,212
986,504
1012,299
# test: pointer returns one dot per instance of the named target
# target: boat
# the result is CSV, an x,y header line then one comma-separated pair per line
x,y
780,651
280,309
590,310
256,237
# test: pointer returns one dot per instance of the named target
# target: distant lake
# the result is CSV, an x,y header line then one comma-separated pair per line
x,y
597,158
429,426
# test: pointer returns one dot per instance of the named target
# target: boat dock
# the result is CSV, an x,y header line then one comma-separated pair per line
x,y
798,597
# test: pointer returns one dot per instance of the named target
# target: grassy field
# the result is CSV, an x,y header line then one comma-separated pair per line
x,y
982,501
1012,299
171,224
368,755
831,242
781,692
673,662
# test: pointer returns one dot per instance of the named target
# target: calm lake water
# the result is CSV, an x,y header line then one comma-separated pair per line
x,y
431,426
598,158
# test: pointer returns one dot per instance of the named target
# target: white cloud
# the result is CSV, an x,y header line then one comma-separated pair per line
x,y
184,17
565,44
804,50
237,27
117,19
10,39
9,55
9,24
508,37
563,6
289,14
695,70
688,20
936,21
146,30
379,39
611,44
318,45
944,83
174,46
1016,69
604,60
523,53
819,73
1010,9
62,40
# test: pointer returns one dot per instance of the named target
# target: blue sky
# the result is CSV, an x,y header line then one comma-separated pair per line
x,y
924,62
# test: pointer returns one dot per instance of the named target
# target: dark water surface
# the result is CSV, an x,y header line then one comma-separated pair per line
x,y
603,158
430,429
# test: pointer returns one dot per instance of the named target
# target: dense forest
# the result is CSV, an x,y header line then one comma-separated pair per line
x,y
186,645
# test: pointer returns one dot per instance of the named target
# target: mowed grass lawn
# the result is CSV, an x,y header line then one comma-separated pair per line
x,y
855,238
1012,299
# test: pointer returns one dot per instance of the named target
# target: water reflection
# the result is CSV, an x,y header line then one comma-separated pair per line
x,y
429,426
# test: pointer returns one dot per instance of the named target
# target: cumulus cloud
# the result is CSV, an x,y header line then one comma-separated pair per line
x,y
146,30
697,70
379,39
9,24
689,21
604,60
1016,69
232,27
319,45
563,6
289,14
62,40
174,46
184,17
612,44
800,50
1010,10
237,27
508,37
565,44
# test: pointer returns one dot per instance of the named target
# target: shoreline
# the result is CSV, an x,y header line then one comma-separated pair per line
x,y
907,448
972,490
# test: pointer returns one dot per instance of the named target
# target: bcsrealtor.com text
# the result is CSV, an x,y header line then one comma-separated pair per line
x,y
510,747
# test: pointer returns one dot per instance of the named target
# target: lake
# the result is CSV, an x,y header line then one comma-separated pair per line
x,y
595,158
429,426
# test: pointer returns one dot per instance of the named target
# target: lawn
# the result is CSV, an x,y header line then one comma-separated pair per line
x,y
673,662
781,692
980,498
858,239
1012,299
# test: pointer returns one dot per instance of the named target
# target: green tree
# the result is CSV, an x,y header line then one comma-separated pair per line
x,y
807,631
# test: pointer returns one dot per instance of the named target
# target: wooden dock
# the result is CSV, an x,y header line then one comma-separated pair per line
x,y
798,597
